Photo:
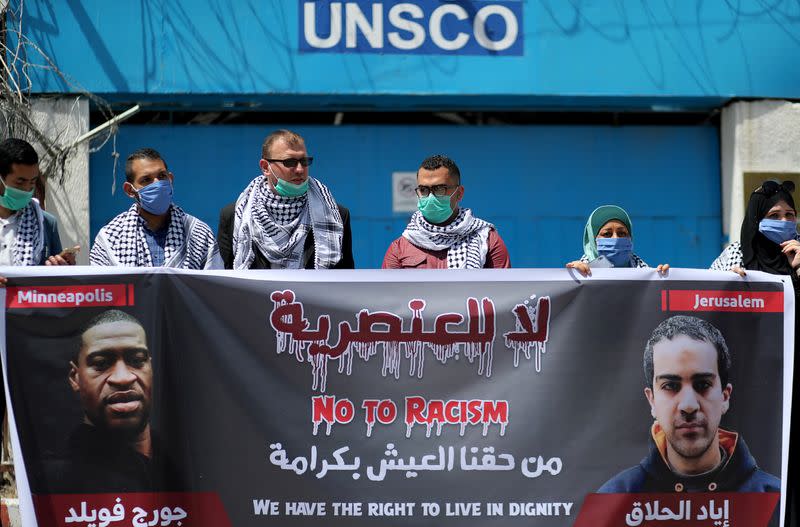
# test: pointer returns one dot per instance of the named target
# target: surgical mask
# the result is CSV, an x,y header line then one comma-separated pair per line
x,y
777,231
288,189
435,209
14,198
617,250
156,197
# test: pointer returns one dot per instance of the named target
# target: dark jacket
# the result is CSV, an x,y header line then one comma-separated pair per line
x,y
225,242
93,461
52,241
739,473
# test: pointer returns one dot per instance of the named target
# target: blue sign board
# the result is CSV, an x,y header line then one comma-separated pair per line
x,y
425,27
488,54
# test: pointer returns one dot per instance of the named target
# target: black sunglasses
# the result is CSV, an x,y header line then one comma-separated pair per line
x,y
292,162
770,188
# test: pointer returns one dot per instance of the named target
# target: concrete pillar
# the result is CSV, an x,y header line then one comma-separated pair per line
x,y
63,119
760,140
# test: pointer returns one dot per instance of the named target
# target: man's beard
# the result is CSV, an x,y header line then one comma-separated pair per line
x,y
691,448
122,429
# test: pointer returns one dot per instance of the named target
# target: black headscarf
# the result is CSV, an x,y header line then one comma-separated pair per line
x,y
761,254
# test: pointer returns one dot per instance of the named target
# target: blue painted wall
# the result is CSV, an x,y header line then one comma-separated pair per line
x,y
613,52
537,184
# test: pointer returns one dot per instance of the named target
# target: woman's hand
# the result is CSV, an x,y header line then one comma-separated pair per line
x,y
662,269
738,270
581,267
791,249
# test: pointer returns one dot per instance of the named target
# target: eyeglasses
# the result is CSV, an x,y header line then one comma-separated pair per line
x,y
292,162
424,191
770,188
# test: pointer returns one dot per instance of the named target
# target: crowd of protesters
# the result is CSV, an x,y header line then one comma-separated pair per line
x,y
286,219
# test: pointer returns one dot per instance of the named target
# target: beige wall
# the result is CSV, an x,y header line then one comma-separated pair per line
x,y
64,119
760,140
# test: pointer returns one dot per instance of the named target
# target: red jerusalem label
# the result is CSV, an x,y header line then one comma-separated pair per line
x,y
743,301
110,295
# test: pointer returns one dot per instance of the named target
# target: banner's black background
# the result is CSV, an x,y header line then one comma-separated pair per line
x,y
222,394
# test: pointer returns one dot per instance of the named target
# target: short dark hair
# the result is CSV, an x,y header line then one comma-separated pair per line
x,y
291,138
143,153
694,328
16,151
106,317
439,161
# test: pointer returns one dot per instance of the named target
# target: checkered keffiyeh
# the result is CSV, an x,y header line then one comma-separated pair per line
x,y
190,243
278,226
29,241
466,238
731,257
283,211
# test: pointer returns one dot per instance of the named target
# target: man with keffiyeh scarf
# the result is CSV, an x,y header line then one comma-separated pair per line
x,y
154,232
441,235
28,234
285,219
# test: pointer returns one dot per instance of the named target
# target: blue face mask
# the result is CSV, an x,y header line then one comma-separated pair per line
x,y
618,251
156,197
777,231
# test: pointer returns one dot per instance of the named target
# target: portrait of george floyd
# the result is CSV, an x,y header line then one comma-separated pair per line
x,y
686,364
112,447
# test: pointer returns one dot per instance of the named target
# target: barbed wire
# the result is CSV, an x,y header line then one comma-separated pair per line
x,y
21,59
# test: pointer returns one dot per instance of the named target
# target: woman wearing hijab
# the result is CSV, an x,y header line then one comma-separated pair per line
x,y
769,240
769,243
608,242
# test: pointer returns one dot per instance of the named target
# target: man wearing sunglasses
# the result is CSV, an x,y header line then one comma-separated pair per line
x,y
441,235
285,219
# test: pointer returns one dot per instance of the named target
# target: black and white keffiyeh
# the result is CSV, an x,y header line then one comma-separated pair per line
x,y
731,257
190,243
466,238
29,241
278,226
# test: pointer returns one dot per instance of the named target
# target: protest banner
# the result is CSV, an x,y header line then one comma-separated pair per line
x,y
513,397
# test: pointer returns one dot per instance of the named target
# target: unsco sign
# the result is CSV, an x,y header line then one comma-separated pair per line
x,y
419,27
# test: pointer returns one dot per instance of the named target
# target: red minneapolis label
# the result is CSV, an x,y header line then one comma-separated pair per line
x,y
744,301
69,296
